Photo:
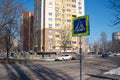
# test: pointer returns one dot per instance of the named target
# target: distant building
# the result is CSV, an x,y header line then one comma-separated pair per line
x,y
15,42
15,46
27,31
116,37
51,17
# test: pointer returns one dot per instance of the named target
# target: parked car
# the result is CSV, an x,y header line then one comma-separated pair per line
x,y
92,53
64,57
104,54
112,54
117,54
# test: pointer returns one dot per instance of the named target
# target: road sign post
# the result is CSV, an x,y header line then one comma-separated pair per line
x,y
80,27
80,59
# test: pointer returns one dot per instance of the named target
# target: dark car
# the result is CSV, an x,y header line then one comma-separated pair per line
x,y
79,55
104,55
91,53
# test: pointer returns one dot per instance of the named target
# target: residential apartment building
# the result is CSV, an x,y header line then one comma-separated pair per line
x,y
116,37
27,23
53,24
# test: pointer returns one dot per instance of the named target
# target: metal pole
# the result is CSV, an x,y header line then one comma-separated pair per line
x,y
80,59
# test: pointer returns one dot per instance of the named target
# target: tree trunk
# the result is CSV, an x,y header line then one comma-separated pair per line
x,y
8,54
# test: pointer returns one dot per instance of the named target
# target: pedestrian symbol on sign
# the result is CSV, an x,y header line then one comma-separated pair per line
x,y
79,27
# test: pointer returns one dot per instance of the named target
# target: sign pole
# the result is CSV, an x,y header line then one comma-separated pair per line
x,y
80,27
80,58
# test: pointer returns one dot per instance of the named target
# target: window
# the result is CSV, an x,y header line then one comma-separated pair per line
x,y
79,8
74,6
68,20
79,3
68,10
57,9
57,19
57,14
50,3
63,0
57,36
50,25
50,14
63,10
73,15
64,5
57,3
80,12
69,5
63,15
57,25
68,48
74,42
73,0
68,0
69,42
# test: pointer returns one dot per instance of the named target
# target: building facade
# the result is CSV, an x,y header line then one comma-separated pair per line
x,y
53,24
27,37
116,37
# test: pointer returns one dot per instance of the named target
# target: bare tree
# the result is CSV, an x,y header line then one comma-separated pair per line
x,y
115,5
96,46
65,34
10,12
8,34
2,47
116,46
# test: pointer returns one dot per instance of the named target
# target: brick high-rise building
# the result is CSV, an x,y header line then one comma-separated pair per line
x,y
27,31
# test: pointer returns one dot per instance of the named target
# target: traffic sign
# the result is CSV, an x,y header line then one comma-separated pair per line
x,y
80,26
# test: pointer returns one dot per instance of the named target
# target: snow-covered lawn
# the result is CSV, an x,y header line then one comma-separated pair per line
x,y
115,71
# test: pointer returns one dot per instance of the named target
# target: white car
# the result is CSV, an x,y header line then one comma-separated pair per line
x,y
117,54
64,57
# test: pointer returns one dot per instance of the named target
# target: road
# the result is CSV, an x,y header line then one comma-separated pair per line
x,y
93,69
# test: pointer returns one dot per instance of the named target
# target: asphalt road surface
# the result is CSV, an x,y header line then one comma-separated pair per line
x,y
93,69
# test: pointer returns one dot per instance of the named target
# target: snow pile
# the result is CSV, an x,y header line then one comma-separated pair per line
x,y
114,71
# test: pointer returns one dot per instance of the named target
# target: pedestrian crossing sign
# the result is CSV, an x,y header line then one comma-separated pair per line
x,y
80,26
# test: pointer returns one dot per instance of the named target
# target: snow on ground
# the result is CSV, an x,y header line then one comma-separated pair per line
x,y
115,71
